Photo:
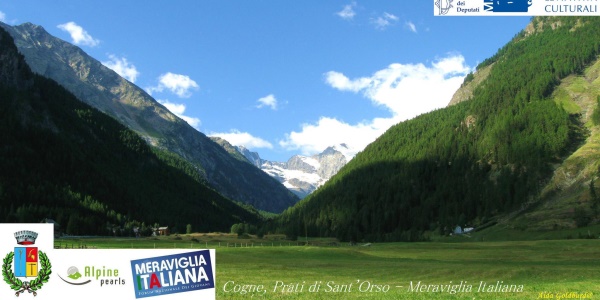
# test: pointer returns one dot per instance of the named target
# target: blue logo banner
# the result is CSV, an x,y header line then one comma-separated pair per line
x,y
510,6
516,8
171,274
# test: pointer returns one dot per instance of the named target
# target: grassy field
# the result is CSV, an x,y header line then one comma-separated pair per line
x,y
560,269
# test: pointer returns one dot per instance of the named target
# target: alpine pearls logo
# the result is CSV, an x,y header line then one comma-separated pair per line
x,y
74,275
29,262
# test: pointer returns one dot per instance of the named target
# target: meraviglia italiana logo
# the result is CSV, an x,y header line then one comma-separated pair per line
x,y
29,262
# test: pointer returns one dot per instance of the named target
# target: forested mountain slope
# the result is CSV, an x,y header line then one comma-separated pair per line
x,y
468,163
100,87
570,198
64,160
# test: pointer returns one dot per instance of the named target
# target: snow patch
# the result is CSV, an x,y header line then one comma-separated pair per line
x,y
295,174
311,161
343,148
288,185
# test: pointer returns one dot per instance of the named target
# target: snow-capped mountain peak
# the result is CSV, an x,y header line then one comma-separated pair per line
x,y
303,174
343,148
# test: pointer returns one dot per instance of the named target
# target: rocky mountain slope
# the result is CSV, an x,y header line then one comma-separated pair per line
x,y
473,80
105,90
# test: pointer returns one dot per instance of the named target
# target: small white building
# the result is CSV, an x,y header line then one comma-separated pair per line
x,y
458,230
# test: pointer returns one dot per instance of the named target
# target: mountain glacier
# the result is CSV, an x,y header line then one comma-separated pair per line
x,y
302,174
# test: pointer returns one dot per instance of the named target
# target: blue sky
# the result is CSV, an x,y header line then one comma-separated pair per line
x,y
280,77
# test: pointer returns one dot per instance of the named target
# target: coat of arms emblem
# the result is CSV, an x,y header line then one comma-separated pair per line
x,y
26,263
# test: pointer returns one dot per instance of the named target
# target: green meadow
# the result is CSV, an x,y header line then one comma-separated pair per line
x,y
272,268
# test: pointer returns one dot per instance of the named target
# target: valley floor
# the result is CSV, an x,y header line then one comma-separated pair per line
x,y
544,269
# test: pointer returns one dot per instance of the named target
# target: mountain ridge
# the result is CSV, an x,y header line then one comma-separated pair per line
x,y
102,88
62,159
300,174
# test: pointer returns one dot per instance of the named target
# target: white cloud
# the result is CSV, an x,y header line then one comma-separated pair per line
x,y
238,138
269,101
4,19
411,26
390,17
347,13
341,82
123,67
385,20
314,138
405,90
79,35
179,109
176,83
